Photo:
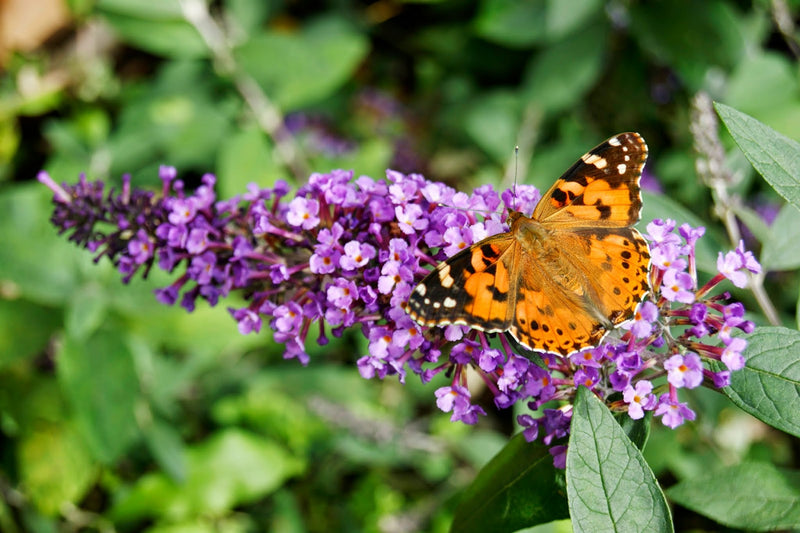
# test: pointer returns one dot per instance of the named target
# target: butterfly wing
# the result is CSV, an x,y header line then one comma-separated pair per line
x,y
551,314
476,287
612,265
495,286
557,282
601,189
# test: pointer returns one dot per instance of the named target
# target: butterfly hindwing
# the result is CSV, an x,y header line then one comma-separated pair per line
x,y
551,317
614,262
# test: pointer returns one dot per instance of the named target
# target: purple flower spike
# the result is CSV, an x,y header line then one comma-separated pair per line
x,y
345,252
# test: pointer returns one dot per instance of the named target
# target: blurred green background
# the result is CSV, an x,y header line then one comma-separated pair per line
x,y
119,414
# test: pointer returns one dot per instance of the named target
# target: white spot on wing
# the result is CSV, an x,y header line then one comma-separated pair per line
x,y
445,278
421,289
621,168
614,141
594,159
449,303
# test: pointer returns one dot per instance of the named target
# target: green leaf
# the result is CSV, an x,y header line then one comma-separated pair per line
x,y
249,15
762,81
780,251
25,329
565,17
609,485
55,466
521,24
518,488
247,157
677,34
302,68
754,222
769,385
166,445
48,272
774,156
157,27
98,377
514,24
638,431
85,310
165,9
579,58
179,119
748,496
492,122
230,468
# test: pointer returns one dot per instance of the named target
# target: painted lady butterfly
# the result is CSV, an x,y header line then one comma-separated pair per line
x,y
559,280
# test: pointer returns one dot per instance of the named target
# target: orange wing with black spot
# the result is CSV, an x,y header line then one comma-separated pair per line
x,y
559,280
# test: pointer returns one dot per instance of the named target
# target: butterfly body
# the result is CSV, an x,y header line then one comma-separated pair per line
x,y
558,280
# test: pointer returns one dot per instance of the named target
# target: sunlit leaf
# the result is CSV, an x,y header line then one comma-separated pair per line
x,y
609,485
769,385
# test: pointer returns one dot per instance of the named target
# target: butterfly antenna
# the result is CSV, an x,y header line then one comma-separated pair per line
x,y
516,168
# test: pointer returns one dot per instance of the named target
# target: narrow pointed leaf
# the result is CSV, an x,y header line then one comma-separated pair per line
x,y
610,487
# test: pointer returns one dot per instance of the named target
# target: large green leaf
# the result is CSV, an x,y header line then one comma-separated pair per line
x,y
98,376
512,23
609,485
518,488
748,496
775,156
769,385
301,68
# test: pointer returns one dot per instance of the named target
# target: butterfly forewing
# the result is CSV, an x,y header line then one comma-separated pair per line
x,y
558,281
601,188
471,288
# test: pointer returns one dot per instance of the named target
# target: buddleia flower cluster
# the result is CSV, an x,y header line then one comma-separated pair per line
x,y
345,252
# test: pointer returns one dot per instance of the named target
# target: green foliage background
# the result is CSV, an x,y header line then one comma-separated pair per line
x,y
117,413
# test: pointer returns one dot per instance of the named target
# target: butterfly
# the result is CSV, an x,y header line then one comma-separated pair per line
x,y
558,281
